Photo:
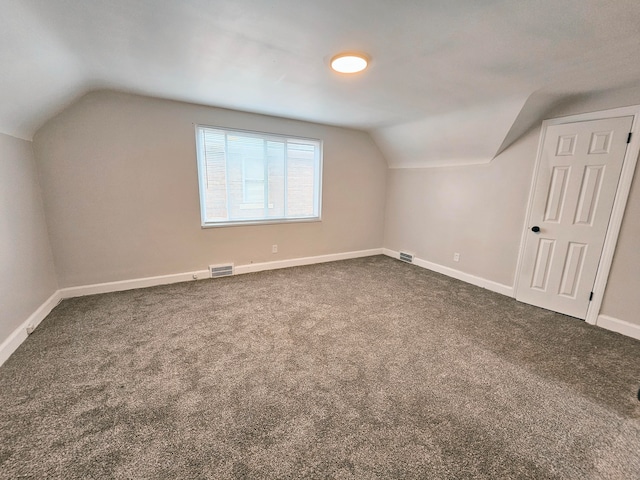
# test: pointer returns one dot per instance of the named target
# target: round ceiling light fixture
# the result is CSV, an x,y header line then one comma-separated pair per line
x,y
349,62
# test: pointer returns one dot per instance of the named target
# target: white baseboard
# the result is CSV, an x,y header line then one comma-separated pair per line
x,y
457,274
20,334
122,285
620,326
297,262
204,274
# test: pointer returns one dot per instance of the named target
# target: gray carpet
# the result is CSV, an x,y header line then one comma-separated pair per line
x,y
366,368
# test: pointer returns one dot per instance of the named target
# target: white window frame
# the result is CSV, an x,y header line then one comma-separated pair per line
x,y
202,179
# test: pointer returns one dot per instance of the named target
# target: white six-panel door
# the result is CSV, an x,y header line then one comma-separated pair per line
x,y
573,197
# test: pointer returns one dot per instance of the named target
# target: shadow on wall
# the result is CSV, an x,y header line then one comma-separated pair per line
x,y
478,135
464,137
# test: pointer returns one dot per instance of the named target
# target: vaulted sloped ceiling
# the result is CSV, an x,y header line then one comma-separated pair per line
x,y
448,83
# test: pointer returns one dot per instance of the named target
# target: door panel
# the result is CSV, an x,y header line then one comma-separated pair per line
x,y
557,190
573,197
589,193
540,276
572,271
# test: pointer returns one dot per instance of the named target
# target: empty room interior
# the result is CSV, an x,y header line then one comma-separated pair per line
x,y
298,239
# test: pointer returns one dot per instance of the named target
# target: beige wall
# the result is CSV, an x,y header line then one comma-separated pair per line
x,y
479,212
120,187
474,210
27,276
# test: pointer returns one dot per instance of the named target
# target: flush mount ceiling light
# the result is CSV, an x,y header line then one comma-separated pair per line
x,y
349,62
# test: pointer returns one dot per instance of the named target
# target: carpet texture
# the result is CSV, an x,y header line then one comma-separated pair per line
x,y
366,368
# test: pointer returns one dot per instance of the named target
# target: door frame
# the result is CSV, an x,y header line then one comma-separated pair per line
x,y
619,203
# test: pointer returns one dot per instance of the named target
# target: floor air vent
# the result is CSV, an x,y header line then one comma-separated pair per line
x,y
406,257
221,270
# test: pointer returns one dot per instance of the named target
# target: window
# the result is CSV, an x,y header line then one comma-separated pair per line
x,y
251,177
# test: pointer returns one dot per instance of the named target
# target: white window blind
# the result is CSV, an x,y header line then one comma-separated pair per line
x,y
253,177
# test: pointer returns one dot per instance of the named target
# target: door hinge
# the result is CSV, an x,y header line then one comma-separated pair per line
x,y
629,137
591,296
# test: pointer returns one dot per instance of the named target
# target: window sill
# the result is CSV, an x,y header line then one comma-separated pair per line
x,y
275,221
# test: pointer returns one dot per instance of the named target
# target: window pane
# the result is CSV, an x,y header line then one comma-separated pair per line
x,y
300,179
276,160
216,181
253,177
247,176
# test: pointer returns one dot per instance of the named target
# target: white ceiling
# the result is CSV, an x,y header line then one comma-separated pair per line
x,y
432,61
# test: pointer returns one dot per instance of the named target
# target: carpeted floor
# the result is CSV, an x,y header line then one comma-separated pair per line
x,y
366,368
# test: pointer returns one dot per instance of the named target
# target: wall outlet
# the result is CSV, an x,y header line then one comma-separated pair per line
x,y
456,257
274,248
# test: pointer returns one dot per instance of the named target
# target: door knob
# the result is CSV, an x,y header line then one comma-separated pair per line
x,y
535,229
